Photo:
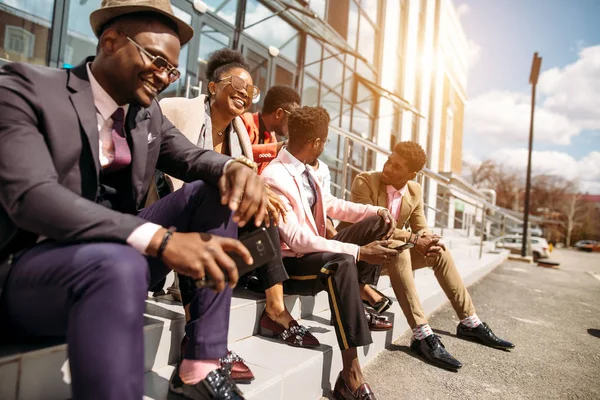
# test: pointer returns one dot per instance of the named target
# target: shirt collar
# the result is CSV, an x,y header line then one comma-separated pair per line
x,y
297,164
392,190
105,104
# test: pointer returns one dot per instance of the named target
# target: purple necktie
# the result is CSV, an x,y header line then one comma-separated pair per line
x,y
122,153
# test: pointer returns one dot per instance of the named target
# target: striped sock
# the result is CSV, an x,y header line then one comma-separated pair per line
x,y
422,331
472,321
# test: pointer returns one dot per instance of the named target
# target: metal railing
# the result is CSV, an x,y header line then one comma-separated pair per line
x,y
486,222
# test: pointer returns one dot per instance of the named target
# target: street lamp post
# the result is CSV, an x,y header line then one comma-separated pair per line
x,y
533,78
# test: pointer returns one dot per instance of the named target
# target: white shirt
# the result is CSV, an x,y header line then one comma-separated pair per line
x,y
141,237
301,167
323,175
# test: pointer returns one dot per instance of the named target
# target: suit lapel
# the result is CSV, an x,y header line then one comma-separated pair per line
x,y
137,125
382,197
83,103
287,163
406,206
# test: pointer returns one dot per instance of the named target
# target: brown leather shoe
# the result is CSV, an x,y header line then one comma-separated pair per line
x,y
378,322
341,391
239,371
296,335
232,363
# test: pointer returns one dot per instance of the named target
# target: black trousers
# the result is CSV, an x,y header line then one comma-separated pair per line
x,y
269,274
339,275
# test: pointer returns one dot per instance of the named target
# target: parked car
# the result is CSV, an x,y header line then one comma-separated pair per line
x,y
590,247
539,246
533,231
582,244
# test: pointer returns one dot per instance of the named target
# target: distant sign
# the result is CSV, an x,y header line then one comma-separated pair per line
x,y
459,206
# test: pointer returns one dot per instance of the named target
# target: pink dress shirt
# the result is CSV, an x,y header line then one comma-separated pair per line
x,y
395,200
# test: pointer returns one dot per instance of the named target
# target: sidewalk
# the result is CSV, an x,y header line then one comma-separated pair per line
x,y
552,316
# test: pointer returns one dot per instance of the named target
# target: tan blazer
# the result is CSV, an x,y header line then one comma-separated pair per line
x,y
368,189
188,116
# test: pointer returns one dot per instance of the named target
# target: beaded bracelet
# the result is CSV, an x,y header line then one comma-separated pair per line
x,y
165,240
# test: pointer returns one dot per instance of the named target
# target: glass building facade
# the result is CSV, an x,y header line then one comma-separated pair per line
x,y
325,49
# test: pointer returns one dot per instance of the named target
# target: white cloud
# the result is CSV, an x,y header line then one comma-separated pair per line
x,y
567,104
574,90
586,170
502,116
462,10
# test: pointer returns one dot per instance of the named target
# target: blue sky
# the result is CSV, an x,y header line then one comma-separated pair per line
x,y
503,36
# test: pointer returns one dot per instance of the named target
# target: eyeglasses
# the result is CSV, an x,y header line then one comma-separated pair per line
x,y
286,111
239,84
159,63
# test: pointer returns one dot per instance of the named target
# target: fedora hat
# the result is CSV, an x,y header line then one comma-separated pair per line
x,y
111,9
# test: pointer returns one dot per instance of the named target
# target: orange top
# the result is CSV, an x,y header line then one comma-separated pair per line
x,y
265,152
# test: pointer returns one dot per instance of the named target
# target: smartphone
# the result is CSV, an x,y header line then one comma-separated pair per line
x,y
262,249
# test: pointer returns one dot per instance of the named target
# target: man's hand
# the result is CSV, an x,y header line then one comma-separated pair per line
x,y
330,230
280,146
200,254
386,215
245,194
436,250
275,208
426,242
377,252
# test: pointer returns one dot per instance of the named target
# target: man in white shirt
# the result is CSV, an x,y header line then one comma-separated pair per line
x,y
343,266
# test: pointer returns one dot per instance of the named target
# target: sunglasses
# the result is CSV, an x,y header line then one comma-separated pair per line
x,y
159,63
239,84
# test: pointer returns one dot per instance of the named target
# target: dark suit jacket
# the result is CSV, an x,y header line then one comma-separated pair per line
x,y
49,161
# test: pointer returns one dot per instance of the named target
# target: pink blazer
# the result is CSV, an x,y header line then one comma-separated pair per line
x,y
303,233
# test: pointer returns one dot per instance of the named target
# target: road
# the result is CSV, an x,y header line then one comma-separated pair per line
x,y
552,316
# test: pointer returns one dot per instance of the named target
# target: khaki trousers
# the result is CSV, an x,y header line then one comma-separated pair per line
x,y
403,283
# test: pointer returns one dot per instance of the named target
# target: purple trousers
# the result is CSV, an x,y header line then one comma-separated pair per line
x,y
94,295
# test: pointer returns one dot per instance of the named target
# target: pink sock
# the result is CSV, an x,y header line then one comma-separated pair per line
x,y
472,321
193,371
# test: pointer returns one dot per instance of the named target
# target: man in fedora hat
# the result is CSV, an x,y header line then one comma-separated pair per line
x,y
79,149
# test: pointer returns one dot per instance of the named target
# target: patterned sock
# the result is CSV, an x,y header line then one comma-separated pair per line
x,y
193,371
422,331
472,321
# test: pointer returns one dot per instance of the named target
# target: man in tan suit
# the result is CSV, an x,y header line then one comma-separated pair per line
x,y
394,189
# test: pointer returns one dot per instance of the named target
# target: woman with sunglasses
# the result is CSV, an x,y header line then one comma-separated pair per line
x,y
213,121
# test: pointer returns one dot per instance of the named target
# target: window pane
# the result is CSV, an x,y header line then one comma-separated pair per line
x,y
312,57
333,71
319,7
333,104
210,41
272,32
361,123
310,92
283,76
225,9
365,71
371,8
25,29
353,25
366,40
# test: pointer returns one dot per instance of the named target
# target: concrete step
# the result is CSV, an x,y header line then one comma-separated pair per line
x,y
282,372
285,372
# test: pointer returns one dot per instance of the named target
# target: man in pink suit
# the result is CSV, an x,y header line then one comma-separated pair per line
x,y
343,266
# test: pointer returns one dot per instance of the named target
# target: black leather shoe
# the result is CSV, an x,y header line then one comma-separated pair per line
x,y
432,349
484,335
216,386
